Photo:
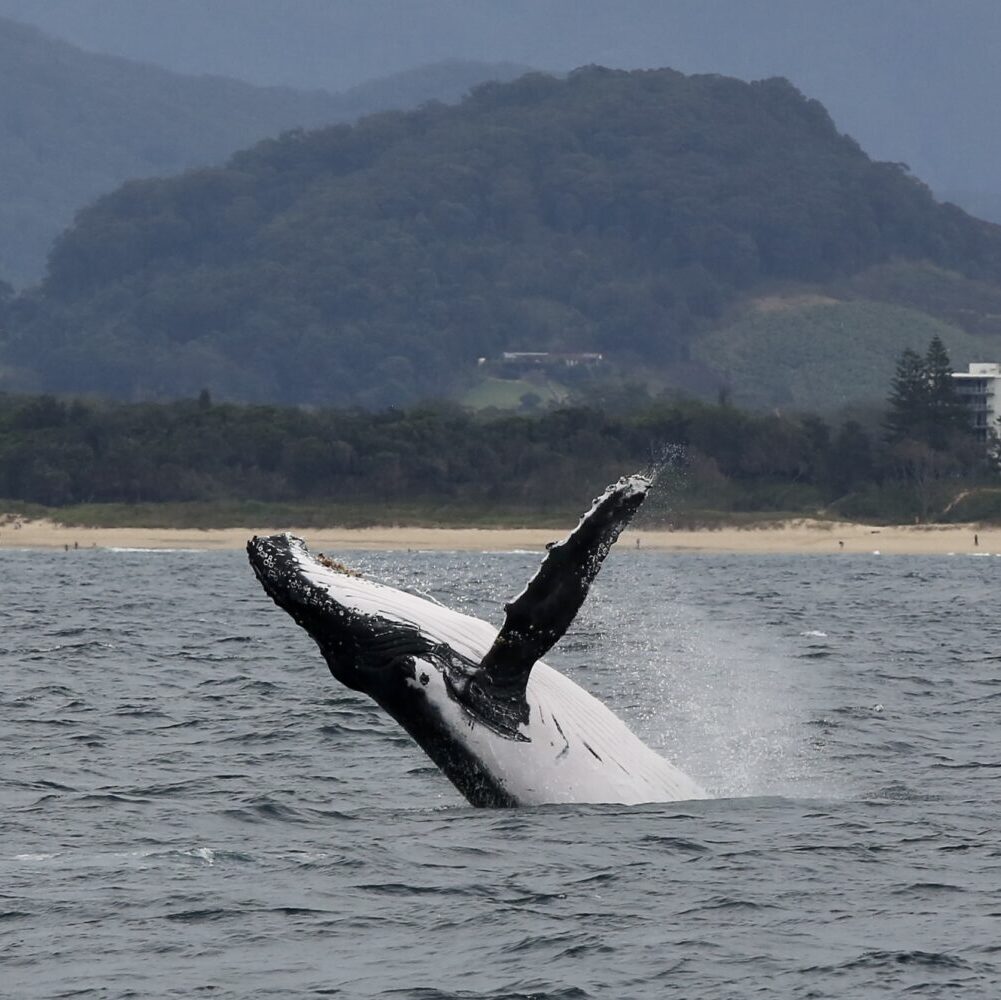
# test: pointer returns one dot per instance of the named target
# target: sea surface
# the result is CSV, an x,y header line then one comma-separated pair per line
x,y
190,806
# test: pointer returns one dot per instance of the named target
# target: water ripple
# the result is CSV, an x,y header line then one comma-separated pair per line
x,y
191,806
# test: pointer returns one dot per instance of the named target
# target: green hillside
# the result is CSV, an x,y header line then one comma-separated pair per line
x,y
820,357
974,306
624,213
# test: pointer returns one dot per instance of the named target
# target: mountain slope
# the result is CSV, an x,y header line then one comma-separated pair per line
x,y
74,125
615,212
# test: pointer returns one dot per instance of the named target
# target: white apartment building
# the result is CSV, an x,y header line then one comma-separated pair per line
x,y
980,391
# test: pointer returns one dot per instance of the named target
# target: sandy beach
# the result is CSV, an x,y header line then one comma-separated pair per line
x,y
799,536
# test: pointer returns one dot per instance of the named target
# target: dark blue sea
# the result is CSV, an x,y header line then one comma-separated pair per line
x,y
191,807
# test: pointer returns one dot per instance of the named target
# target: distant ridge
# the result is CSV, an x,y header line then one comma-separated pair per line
x,y
447,80
911,80
74,125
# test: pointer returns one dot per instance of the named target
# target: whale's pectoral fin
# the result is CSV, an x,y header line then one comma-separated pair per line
x,y
544,610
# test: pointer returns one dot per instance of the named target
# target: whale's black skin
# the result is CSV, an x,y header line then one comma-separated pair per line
x,y
537,619
386,658
376,656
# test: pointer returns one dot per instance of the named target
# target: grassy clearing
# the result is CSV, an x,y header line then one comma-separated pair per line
x,y
507,394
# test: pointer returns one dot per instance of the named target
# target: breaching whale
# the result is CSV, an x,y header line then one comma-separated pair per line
x,y
503,726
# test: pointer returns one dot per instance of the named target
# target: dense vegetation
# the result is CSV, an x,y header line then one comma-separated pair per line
x,y
442,462
75,125
371,265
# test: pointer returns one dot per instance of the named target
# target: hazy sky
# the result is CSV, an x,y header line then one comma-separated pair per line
x,y
912,80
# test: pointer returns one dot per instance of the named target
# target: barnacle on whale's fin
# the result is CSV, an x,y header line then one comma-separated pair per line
x,y
544,610
337,567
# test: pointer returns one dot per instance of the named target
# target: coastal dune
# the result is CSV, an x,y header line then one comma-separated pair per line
x,y
789,537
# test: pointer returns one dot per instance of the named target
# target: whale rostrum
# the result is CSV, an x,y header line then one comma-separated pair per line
x,y
503,726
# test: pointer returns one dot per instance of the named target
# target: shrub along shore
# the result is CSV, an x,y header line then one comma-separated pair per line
x,y
197,464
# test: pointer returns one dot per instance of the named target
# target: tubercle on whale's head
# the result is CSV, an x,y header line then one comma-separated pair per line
x,y
363,651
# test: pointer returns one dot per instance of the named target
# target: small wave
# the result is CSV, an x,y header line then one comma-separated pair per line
x,y
166,789
814,634
42,652
205,854
308,858
727,903
140,711
260,686
896,791
410,889
430,993
924,888
676,844
42,783
47,689
201,916
266,811
586,948
970,765
88,739
99,799
932,959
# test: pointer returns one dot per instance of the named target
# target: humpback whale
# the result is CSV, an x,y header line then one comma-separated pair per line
x,y
503,726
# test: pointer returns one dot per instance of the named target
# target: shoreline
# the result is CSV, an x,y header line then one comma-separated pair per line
x,y
796,537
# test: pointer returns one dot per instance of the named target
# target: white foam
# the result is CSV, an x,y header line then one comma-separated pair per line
x,y
206,854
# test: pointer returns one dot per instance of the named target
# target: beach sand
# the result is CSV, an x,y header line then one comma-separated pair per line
x,y
799,536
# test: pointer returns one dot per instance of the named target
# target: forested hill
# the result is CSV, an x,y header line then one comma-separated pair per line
x,y
373,264
74,125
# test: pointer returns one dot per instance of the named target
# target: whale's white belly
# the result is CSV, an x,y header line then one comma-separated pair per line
x,y
575,748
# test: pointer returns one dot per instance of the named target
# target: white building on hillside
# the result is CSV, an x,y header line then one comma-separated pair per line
x,y
980,391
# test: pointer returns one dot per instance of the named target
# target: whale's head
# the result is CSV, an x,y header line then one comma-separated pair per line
x,y
369,643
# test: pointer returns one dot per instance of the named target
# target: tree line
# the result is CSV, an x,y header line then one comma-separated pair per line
x,y
61,452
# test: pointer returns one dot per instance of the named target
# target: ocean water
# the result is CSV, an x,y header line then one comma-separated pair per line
x,y
191,807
